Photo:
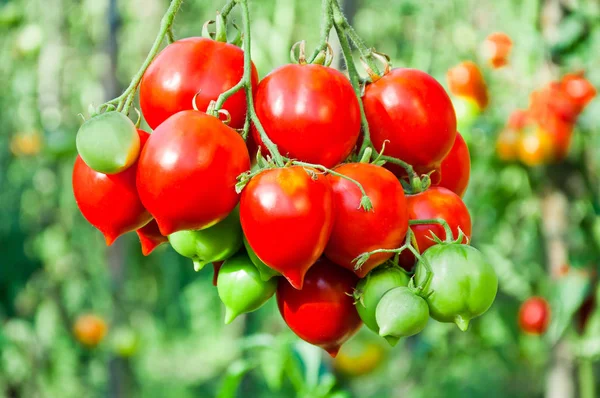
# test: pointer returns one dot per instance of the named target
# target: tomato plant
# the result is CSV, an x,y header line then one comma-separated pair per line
x,y
323,312
302,106
195,66
534,315
287,217
385,226
188,169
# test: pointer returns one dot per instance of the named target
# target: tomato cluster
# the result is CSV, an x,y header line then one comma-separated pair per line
x,y
542,133
330,220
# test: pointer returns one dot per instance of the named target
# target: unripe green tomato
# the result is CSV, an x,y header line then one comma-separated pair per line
x,y
401,313
108,143
266,272
124,341
371,288
216,243
241,288
463,285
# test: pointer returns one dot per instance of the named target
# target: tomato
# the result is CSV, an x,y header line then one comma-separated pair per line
x,y
216,268
496,49
456,167
356,231
534,315
323,312
518,119
435,202
108,143
578,89
188,170
89,329
216,243
110,202
287,217
150,237
265,271
535,147
26,143
241,288
302,107
124,341
401,313
411,113
359,357
370,289
463,285
195,65
466,80
507,145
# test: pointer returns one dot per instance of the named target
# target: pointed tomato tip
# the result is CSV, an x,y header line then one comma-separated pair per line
x,y
230,315
462,323
109,239
333,351
296,280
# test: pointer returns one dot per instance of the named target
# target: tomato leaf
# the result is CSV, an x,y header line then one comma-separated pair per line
x,y
233,377
510,280
272,365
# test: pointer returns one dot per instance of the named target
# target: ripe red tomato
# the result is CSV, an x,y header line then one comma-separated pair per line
x,y
466,80
323,312
188,169
534,315
287,217
195,65
578,88
303,107
456,167
110,202
356,231
435,202
150,237
412,113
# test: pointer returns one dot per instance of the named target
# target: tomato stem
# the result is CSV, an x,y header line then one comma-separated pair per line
x,y
441,221
586,379
415,181
228,7
170,36
365,201
326,25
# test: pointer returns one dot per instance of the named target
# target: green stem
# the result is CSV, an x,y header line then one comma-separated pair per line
x,y
364,257
441,221
247,78
125,100
170,36
326,25
354,79
365,201
586,379
341,21
228,7
415,181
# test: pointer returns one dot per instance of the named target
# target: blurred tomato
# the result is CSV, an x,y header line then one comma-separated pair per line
x,y
89,329
496,49
578,88
534,315
535,147
358,358
518,119
26,143
507,145
466,80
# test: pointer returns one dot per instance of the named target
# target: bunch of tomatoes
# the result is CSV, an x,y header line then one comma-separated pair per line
x,y
346,207
541,134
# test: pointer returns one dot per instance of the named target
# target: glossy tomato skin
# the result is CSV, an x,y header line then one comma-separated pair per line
x,y
534,316
356,231
456,167
188,169
110,202
435,202
195,65
303,107
287,217
412,113
323,312
150,237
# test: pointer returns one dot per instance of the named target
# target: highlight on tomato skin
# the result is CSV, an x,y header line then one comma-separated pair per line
x,y
496,49
534,316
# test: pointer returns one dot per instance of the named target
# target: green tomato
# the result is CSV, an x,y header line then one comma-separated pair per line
x,y
266,272
401,313
108,143
125,341
241,288
370,289
463,283
216,243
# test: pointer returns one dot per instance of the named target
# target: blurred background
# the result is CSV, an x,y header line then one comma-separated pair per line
x,y
157,327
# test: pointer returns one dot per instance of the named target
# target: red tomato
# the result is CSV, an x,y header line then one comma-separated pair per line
x,y
411,112
518,119
191,66
304,107
456,167
323,312
466,80
110,202
578,88
188,169
356,231
534,315
150,237
435,202
287,217
496,49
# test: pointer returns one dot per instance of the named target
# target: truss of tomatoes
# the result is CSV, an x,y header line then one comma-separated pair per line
x,y
293,231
